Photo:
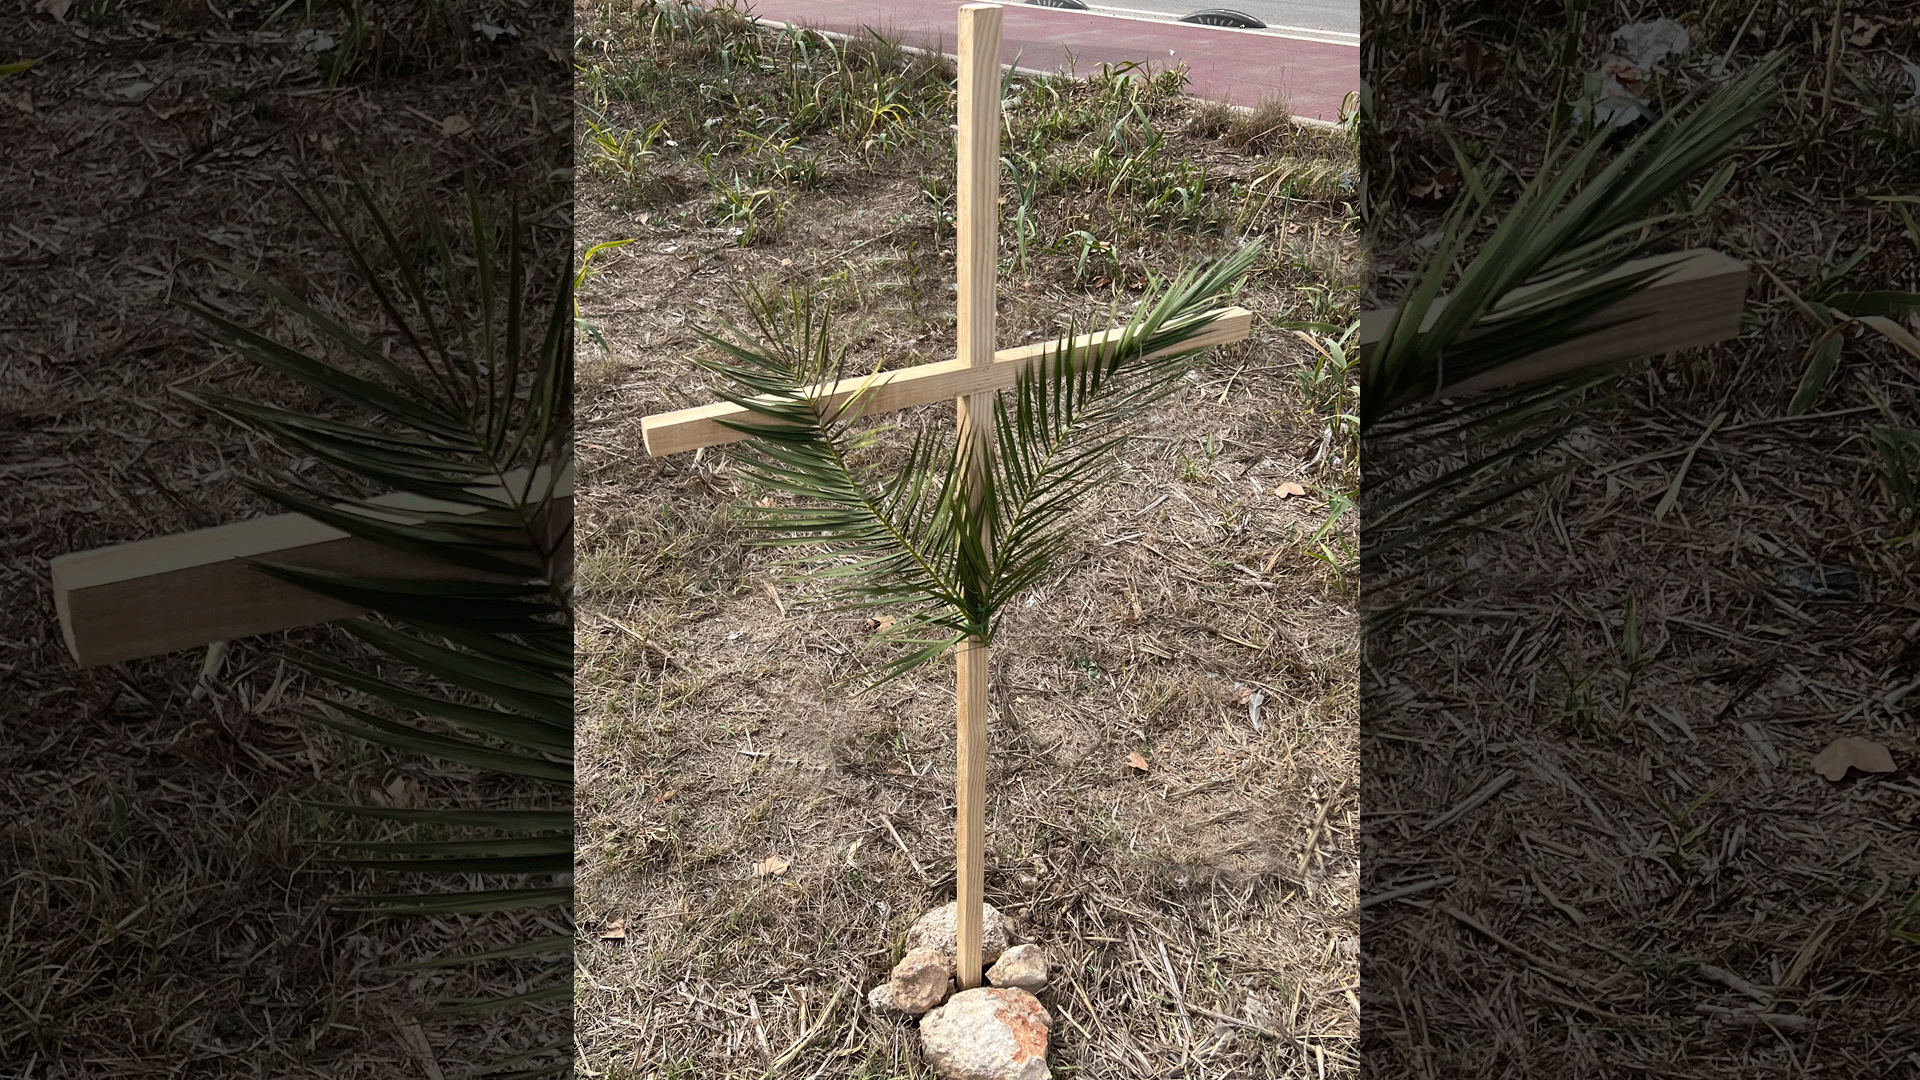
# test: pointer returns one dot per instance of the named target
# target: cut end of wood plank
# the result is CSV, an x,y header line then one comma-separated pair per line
x,y
1699,302
108,621
184,591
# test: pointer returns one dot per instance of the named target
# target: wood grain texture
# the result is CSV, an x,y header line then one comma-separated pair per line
x,y
887,391
190,589
1698,303
978,243
977,213
970,814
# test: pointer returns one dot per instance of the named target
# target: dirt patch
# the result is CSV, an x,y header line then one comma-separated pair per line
x,y
1596,845
716,731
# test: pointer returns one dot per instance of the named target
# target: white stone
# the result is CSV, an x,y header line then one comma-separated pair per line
x,y
936,930
880,998
1024,966
919,981
988,1033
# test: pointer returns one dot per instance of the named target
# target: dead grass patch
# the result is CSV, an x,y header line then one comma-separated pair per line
x,y
1595,844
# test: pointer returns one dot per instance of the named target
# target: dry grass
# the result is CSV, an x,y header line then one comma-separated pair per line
x,y
1199,916
165,915
1266,126
1595,845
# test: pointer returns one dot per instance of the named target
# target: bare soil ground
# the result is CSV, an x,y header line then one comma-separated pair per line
x,y
1654,881
1199,915
165,914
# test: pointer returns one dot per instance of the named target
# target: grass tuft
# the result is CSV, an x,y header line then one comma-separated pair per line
x,y
1264,129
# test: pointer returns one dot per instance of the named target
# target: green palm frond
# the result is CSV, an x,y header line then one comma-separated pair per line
x,y
1543,270
457,452
903,535
1552,263
1055,439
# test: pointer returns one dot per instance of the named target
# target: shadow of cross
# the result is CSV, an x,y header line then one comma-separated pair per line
x,y
972,380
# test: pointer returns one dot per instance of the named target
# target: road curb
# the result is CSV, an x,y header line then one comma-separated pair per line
x,y
838,35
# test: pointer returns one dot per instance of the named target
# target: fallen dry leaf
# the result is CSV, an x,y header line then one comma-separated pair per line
x,y
1842,754
1864,31
665,795
401,791
1473,59
772,865
455,125
1437,185
616,930
1291,490
1135,761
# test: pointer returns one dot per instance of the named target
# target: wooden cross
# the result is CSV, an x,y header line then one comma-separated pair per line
x,y
972,381
191,589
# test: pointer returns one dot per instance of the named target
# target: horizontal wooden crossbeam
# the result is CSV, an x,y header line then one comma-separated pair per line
x,y
190,589
1699,303
691,429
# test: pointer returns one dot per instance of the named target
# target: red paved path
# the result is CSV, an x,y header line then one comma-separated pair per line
x,y
1238,66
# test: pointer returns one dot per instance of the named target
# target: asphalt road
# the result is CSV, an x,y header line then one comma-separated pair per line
x,y
1337,18
1245,67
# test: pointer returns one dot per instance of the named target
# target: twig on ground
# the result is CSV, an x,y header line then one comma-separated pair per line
x,y
1179,999
1728,978
917,868
1473,801
760,1032
1559,974
1407,890
786,1057
1248,1024
1756,1018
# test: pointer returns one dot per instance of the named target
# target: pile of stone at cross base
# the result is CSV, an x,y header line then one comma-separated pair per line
x,y
992,1032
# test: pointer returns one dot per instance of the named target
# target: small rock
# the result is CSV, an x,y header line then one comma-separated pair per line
x,y
1648,44
935,930
1822,582
988,1034
880,998
1024,966
919,981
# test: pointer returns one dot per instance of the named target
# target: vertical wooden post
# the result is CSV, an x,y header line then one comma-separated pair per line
x,y
978,254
